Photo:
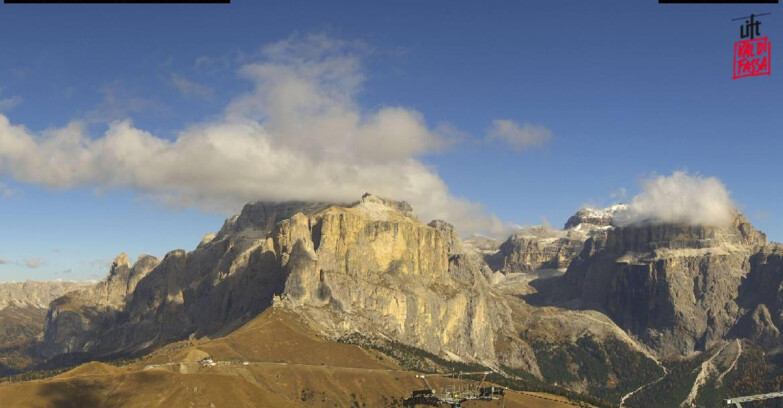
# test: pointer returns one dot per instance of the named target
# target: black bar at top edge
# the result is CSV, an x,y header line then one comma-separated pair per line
x,y
117,1
717,1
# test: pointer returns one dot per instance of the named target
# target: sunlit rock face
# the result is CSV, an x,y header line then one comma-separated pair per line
x,y
370,267
383,271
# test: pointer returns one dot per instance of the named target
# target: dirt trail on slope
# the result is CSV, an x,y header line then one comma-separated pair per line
x,y
707,368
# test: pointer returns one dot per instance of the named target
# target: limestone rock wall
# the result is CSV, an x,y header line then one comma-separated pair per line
x,y
371,267
673,286
543,247
386,273
525,252
74,318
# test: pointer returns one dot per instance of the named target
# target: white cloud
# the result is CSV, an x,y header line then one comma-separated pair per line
x,y
189,88
516,136
33,263
298,134
680,198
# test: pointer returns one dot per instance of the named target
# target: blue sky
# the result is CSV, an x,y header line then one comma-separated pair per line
x,y
612,92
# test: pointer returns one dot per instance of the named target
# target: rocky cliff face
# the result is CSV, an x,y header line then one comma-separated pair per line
x,y
761,297
229,278
384,272
371,267
540,247
74,318
673,286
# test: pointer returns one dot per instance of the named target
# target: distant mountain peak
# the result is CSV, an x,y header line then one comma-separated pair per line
x,y
402,207
599,217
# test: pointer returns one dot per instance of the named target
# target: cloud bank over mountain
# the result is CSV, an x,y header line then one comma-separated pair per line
x,y
297,135
680,198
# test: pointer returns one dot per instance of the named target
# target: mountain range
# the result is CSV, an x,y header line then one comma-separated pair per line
x,y
649,314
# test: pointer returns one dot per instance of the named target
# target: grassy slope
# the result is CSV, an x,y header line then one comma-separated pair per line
x,y
18,329
292,367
